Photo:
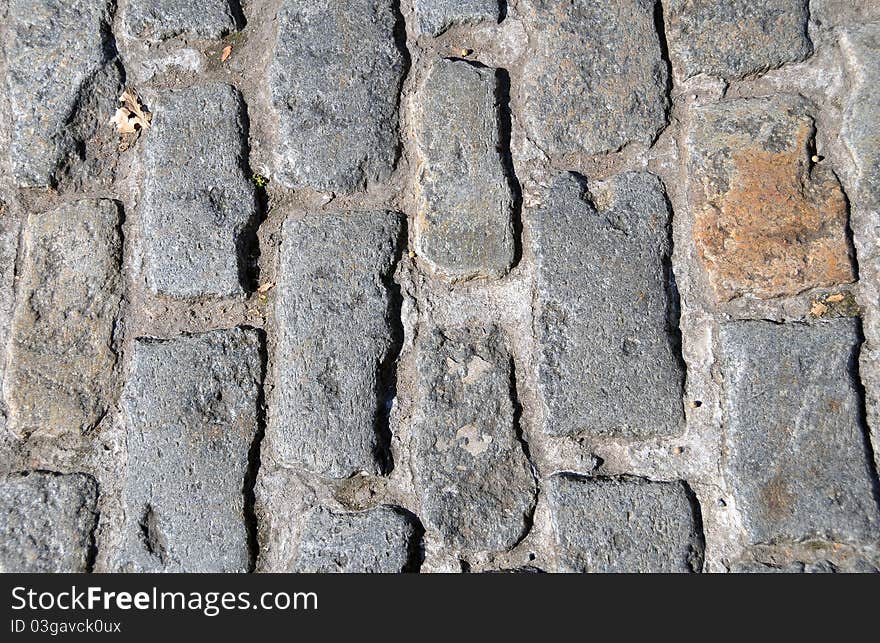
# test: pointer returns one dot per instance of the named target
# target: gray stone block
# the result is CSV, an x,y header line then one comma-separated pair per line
x,y
47,521
463,223
595,79
9,233
335,82
629,525
337,329
735,38
795,436
162,19
60,83
198,202
436,16
191,407
60,376
385,540
477,486
609,361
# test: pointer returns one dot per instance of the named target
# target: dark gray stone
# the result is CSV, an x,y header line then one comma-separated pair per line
x,y
60,377
478,490
336,328
795,442
595,78
191,406
46,522
463,222
860,133
609,360
628,525
385,540
735,38
161,19
198,202
436,16
335,84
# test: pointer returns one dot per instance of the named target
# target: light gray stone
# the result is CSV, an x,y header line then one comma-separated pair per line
x,y
795,437
477,486
61,83
609,360
198,203
628,525
385,540
337,331
735,38
335,83
61,371
9,232
463,222
191,407
828,14
162,19
595,79
47,522
436,16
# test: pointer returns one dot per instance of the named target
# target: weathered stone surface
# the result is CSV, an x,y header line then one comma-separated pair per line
x,y
46,522
833,13
735,38
59,82
9,232
596,78
436,16
191,405
335,84
336,328
795,442
609,360
767,222
385,540
463,223
60,375
198,203
799,567
628,525
477,486
161,19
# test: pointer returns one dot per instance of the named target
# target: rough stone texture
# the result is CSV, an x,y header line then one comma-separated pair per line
x,y
9,232
161,19
735,38
832,13
596,78
46,522
477,487
767,221
335,82
628,525
59,83
795,453
60,374
198,202
191,406
609,360
436,16
336,328
463,223
385,540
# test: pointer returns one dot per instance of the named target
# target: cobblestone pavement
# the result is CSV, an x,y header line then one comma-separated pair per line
x,y
440,285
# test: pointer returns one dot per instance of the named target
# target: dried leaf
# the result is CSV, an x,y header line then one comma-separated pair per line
x,y
834,299
266,287
131,116
818,309
227,50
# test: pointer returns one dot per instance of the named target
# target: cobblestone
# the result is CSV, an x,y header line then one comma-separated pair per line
x,y
436,16
162,19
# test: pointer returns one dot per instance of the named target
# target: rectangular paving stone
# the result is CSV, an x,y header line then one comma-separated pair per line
x,y
47,522
191,407
337,329
477,486
625,525
795,438
609,360
595,78
162,19
384,540
735,38
463,222
335,82
767,221
198,203
436,16
61,369
9,232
